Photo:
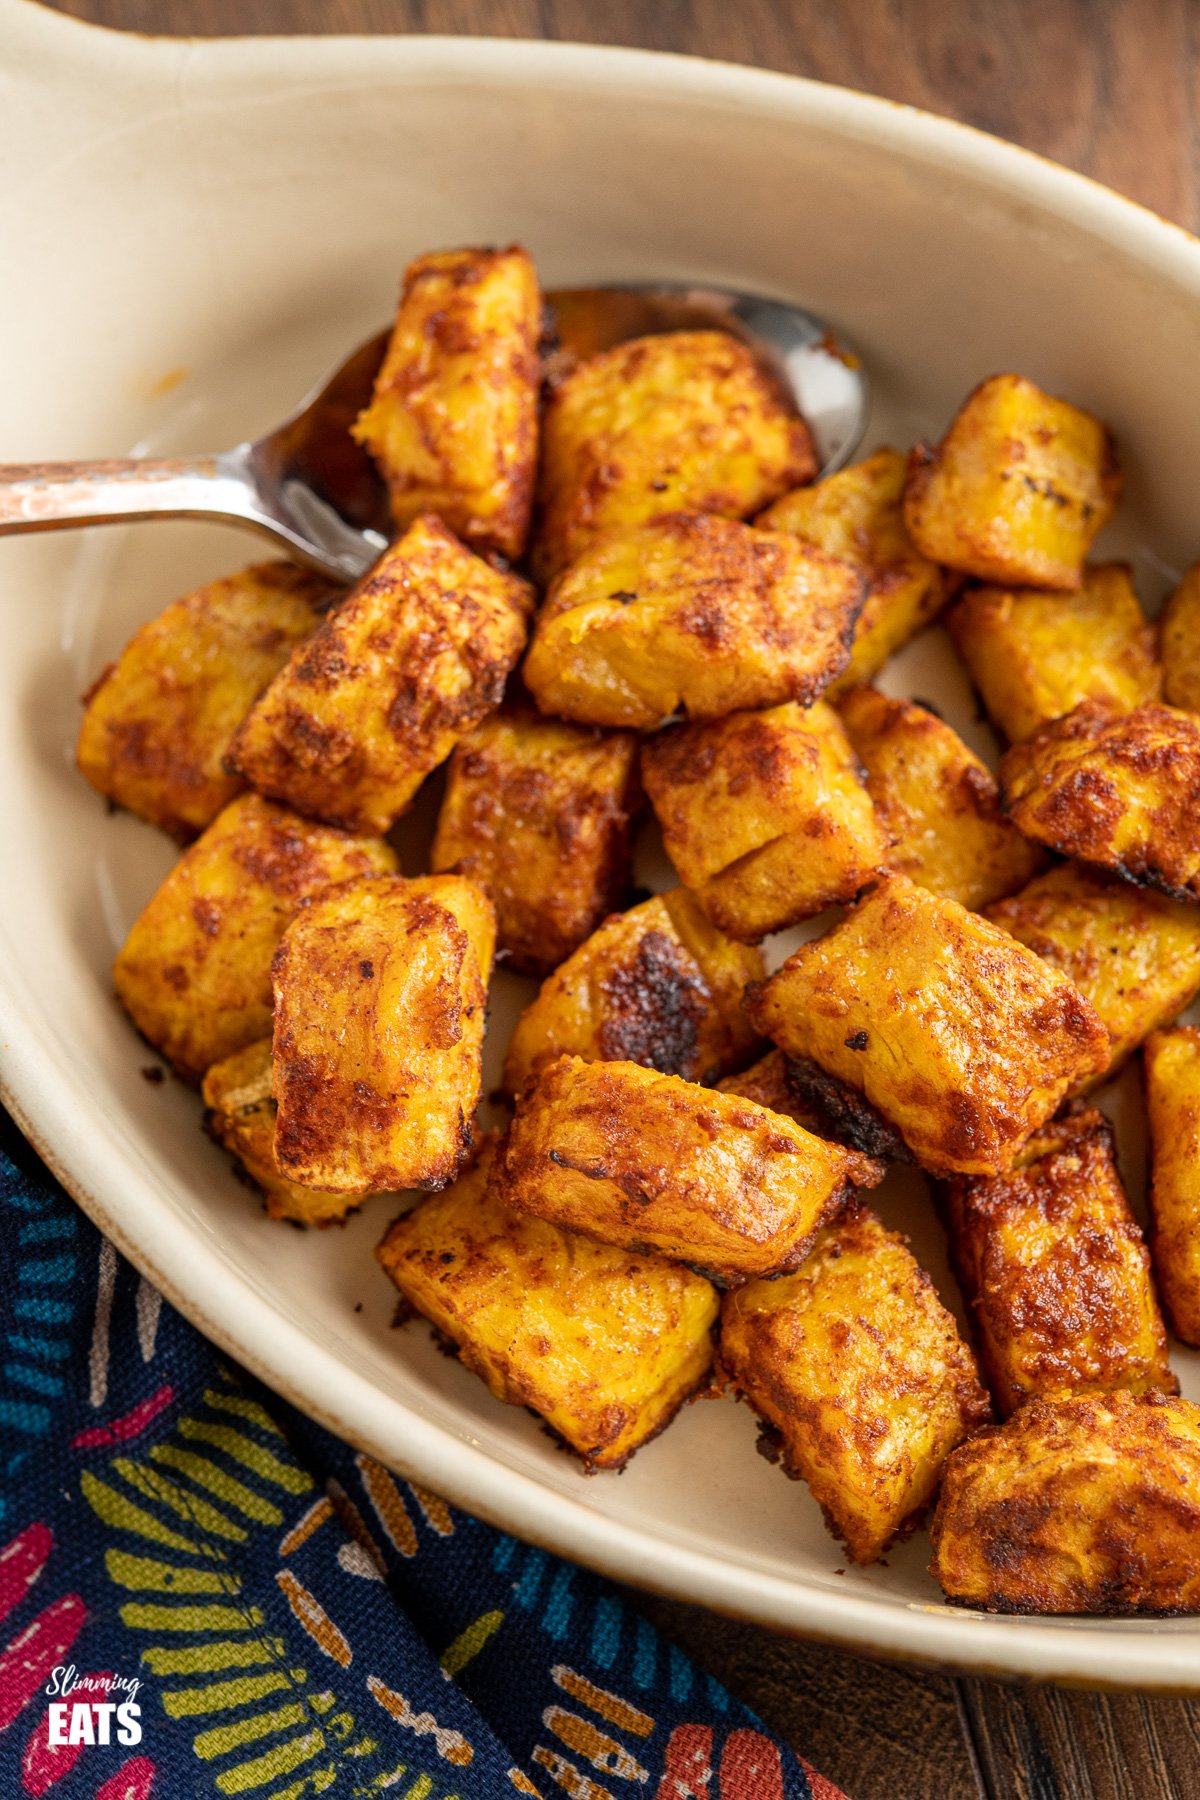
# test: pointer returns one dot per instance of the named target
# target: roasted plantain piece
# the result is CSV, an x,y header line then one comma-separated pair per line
x,y
1083,1505
1053,1266
1016,490
1121,790
936,801
603,1344
1135,955
413,657
764,815
241,1116
1034,656
691,614
647,1161
158,721
539,813
453,420
194,974
860,1377
1179,631
656,985
1172,1073
779,1084
857,514
380,995
965,1041
686,420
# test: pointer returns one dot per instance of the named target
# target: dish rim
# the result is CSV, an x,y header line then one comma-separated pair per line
x,y
120,1198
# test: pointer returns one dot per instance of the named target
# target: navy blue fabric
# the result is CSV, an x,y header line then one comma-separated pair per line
x,y
285,1617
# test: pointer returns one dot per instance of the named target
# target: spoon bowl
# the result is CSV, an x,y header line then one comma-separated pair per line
x,y
312,488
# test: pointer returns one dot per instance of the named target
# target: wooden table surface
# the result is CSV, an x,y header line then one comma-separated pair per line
x,y
1111,87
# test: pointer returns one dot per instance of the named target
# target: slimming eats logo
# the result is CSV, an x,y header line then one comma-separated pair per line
x,y
93,1709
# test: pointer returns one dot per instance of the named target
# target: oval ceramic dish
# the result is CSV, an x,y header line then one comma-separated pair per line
x,y
193,232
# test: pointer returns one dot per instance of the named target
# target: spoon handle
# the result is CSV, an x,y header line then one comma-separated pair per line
x,y
47,496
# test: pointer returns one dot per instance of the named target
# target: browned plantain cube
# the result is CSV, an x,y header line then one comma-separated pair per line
x,y
1033,656
686,420
965,1041
1179,631
241,1116
860,1377
194,974
453,421
656,985
159,720
380,996
936,801
1016,490
764,815
1172,1071
691,614
779,1084
856,514
414,656
1133,954
647,1161
1084,1505
539,813
1053,1266
604,1344
1121,790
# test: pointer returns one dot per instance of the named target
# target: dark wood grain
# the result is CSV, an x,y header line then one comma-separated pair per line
x,y
1042,1743
1110,87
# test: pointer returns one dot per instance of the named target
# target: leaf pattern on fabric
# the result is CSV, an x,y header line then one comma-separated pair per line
x,y
301,1621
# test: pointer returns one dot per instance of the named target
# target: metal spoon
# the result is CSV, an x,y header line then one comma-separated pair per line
x,y
313,489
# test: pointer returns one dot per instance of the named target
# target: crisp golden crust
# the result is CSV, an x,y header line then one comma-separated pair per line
x,y
644,1160
936,801
604,1345
857,514
763,815
241,1116
413,657
1053,1266
964,1040
687,420
778,1083
1083,1505
806,1093
860,1375
453,420
1134,954
1121,790
1179,636
657,985
380,996
1016,490
1172,1076
158,722
194,974
538,813
1034,656
691,614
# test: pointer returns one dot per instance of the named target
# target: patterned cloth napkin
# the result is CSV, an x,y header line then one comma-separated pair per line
x,y
203,1593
